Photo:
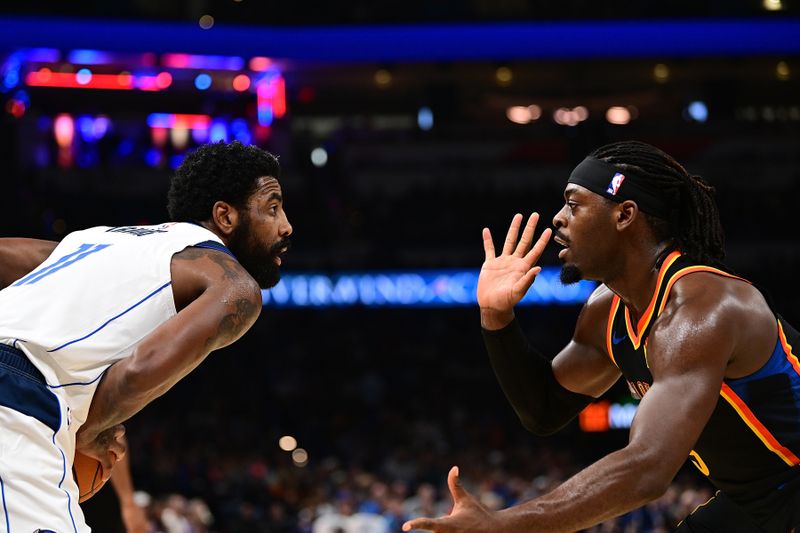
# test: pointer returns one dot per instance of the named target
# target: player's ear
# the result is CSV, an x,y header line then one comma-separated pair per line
x,y
627,212
225,216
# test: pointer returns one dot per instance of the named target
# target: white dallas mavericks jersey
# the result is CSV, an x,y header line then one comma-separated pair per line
x,y
100,292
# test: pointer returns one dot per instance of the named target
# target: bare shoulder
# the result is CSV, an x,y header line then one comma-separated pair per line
x,y
593,318
727,315
717,297
197,270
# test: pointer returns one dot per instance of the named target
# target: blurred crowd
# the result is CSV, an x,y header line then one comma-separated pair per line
x,y
380,414
356,501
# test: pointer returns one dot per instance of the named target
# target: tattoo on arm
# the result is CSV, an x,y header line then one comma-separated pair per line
x,y
230,267
232,324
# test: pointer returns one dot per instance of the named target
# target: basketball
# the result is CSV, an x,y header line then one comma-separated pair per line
x,y
88,475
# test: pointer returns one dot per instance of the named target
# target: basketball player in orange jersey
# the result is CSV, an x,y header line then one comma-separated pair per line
x,y
715,367
94,328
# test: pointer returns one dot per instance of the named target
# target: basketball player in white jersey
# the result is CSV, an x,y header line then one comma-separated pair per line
x,y
97,326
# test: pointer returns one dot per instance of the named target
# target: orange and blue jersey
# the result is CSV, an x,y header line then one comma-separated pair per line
x,y
750,447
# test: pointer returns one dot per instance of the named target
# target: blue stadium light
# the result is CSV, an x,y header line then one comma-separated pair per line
x,y
697,111
218,132
41,55
425,118
423,288
202,81
83,76
89,57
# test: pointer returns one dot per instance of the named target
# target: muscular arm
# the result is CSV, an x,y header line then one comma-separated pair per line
x,y
222,302
545,395
20,256
688,353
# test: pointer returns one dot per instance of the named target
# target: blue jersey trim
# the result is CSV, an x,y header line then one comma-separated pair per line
x,y
164,286
77,382
5,509
63,477
214,245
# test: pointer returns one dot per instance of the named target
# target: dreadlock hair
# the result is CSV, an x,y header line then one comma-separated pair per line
x,y
694,227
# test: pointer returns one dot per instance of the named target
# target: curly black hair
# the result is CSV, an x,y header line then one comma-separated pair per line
x,y
221,171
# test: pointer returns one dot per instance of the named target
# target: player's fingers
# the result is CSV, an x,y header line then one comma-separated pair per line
x,y
524,283
428,524
511,236
454,483
527,235
488,244
536,252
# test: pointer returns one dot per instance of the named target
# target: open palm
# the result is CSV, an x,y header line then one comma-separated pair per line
x,y
505,279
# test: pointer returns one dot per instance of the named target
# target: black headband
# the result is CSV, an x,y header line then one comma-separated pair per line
x,y
619,185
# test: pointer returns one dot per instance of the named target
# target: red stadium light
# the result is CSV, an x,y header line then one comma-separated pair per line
x,y
114,82
241,82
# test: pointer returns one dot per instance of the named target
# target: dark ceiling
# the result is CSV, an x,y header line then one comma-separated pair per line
x,y
358,12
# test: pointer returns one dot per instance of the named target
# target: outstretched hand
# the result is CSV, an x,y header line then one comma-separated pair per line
x,y
504,279
467,515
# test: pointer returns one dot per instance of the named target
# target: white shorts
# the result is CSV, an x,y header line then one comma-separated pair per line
x,y
37,489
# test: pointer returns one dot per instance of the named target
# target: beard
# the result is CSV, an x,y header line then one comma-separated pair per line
x,y
258,260
570,274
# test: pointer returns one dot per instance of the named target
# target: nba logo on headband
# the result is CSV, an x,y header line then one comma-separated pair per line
x,y
616,181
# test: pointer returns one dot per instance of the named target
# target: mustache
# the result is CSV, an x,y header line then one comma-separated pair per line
x,y
560,236
276,248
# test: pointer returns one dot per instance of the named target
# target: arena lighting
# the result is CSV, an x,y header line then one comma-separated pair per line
x,y
206,22
424,288
89,57
772,5
200,62
300,457
618,115
570,117
697,111
260,64
64,130
202,81
218,132
504,76
782,71
425,118
518,114
661,73
83,76
287,443
241,82
85,79
319,157
176,120
270,98
382,78
604,416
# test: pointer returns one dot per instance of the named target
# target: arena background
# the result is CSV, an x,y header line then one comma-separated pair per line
x,y
403,128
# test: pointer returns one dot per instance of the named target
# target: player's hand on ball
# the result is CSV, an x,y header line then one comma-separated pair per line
x,y
504,279
467,516
108,447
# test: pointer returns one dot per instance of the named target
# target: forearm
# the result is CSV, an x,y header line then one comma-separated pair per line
x,y
131,384
618,483
122,482
527,380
